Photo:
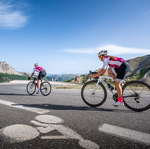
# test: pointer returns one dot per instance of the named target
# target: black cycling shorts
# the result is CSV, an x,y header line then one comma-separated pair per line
x,y
122,71
41,75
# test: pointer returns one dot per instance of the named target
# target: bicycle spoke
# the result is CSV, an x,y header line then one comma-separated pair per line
x,y
45,88
31,88
136,95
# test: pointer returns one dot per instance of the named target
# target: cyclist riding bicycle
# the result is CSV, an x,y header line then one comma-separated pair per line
x,y
42,73
118,71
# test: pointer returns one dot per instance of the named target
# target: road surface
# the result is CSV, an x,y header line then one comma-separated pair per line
x,y
63,121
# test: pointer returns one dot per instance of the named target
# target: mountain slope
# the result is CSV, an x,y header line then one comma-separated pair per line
x,y
140,68
8,73
6,68
139,63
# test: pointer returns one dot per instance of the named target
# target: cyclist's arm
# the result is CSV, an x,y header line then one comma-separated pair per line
x,y
101,72
31,75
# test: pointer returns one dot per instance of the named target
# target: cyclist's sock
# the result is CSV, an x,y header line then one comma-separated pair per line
x,y
38,91
120,99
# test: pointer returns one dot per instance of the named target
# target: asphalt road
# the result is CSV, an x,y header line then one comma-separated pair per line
x,y
63,121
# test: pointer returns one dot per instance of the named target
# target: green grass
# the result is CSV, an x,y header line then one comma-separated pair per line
x,y
4,77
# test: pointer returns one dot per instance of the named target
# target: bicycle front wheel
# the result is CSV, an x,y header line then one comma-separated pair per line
x,y
45,88
136,95
91,96
31,87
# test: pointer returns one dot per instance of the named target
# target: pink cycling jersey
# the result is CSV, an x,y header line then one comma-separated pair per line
x,y
38,69
112,63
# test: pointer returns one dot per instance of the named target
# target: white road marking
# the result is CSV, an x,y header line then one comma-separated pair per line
x,y
126,133
31,109
50,119
53,137
20,132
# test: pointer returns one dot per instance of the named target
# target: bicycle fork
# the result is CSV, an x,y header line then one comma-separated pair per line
x,y
96,86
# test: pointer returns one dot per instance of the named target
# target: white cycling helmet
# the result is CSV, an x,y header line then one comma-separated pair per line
x,y
36,64
103,52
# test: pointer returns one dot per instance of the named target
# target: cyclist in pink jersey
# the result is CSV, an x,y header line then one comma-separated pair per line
x,y
118,71
42,73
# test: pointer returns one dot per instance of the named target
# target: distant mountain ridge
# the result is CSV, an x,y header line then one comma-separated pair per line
x,y
60,77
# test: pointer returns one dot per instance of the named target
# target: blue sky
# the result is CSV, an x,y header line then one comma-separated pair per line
x,y
64,36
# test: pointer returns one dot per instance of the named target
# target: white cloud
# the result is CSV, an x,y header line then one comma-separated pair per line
x,y
146,13
112,49
10,17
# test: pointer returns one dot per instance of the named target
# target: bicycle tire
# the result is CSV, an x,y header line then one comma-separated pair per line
x,y
45,88
31,86
92,99
136,95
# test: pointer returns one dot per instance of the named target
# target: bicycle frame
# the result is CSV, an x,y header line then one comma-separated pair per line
x,y
100,79
35,80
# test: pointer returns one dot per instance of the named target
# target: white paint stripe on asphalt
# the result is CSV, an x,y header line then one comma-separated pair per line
x,y
31,109
126,133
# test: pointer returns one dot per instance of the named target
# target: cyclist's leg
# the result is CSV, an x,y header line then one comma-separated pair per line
x,y
119,91
112,73
121,74
43,74
38,82
119,78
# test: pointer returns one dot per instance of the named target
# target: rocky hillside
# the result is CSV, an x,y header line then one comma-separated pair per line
x,y
6,68
140,70
139,63
60,77
8,73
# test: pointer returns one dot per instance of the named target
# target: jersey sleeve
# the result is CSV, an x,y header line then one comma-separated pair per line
x,y
34,70
105,64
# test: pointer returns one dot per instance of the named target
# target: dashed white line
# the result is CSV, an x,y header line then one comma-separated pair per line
x,y
126,133
31,109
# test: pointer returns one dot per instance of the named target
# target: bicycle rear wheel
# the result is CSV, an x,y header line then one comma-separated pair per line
x,y
92,98
136,95
31,87
45,88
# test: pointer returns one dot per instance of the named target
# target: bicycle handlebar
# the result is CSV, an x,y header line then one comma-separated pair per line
x,y
93,72
34,78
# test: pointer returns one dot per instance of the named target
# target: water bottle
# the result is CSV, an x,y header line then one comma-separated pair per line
x,y
110,86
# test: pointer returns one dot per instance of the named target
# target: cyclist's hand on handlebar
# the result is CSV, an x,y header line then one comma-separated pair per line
x,y
92,75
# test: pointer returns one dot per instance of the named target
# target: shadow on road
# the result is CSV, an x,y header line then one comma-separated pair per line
x,y
69,107
12,94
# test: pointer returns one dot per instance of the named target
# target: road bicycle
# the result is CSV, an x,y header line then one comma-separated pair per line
x,y
45,87
136,94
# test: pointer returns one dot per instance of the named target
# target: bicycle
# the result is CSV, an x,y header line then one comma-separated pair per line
x,y
135,93
45,87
